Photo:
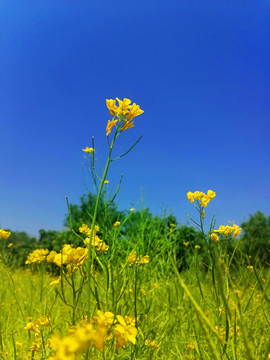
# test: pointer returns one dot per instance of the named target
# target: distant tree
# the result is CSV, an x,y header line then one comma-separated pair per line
x,y
256,236
82,214
23,244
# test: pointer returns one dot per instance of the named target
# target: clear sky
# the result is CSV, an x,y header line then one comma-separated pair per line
x,y
199,70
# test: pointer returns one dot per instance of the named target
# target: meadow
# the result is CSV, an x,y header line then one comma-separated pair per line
x,y
143,295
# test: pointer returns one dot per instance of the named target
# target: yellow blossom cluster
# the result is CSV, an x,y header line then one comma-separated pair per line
x,y
117,223
191,346
226,231
100,245
152,344
93,333
37,324
73,258
201,197
133,260
125,113
37,256
4,234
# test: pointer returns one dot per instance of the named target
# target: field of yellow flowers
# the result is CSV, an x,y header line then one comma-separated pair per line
x,y
112,299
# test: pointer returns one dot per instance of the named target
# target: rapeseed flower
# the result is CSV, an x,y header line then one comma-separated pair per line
x,y
4,234
86,230
133,260
37,256
73,258
214,237
152,344
111,106
124,333
110,125
125,113
229,230
117,223
88,150
202,198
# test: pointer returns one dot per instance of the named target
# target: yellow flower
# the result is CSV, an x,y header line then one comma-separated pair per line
x,y
190,197
18,344
105,319
204,200
117,223
43,321
132,209
133,260
190,346
110,125
214,237
124,111
134,110
127,125
197,247
106,181
250,267
37,256
32,326
111,106
9,245
88,150
36,345
64,348
124,333
4,234
211,194
152,344
229,230
60,259
51,256
198,195
123,107
186,243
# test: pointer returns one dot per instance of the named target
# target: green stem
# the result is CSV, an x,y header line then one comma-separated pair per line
x,y
90,266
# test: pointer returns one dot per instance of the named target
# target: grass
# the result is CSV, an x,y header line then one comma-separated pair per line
x,y
144,296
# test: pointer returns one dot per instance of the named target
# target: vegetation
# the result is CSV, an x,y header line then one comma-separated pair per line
x,y
127,285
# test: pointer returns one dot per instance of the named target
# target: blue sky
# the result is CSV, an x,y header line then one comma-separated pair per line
x,y
199,70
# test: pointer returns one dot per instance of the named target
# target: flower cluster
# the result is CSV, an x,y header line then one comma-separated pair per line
x,y
117,223
73,258
226,231
202,198
152,344
124,331
37,324
125,113
100,245
4,234
93,333
37,256
133,260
